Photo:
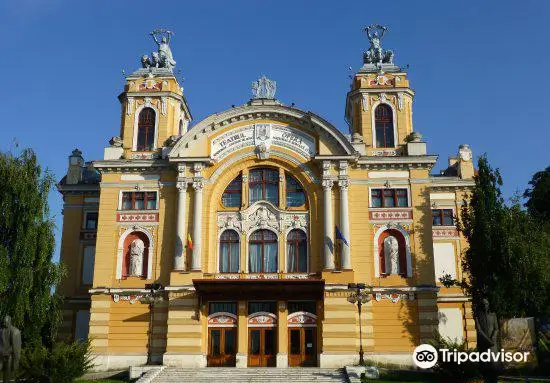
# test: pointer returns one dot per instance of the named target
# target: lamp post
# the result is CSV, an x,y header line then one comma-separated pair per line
x,y
154,296
359,296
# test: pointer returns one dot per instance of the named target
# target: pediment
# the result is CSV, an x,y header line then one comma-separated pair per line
x,y
261,128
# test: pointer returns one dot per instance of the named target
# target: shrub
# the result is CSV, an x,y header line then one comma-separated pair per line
x,y
452,371
61,364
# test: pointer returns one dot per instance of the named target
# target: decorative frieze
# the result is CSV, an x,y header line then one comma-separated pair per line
x,y
262,215
262,319
384,153
273,276
222,319
150,85
302,319
390,215
394,297
137,217
445,232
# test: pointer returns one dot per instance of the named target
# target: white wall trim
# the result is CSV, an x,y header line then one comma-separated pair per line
x,y
377,250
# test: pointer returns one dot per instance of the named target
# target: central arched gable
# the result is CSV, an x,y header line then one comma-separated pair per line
x,y
302,132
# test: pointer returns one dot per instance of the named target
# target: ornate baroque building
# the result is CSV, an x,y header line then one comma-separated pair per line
x,y
233,242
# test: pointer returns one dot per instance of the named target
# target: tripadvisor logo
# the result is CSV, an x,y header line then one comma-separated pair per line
x,y
426,356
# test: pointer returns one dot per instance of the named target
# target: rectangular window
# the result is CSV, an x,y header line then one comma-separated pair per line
x,y
88,260
222,307
389,198
256,307
82,325
139,200
91,220
443,217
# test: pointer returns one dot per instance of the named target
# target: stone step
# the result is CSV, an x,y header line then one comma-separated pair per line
x,y
250,375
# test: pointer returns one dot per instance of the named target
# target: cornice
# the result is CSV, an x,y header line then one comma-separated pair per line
x,y
126,166
450,182
397,162
78,188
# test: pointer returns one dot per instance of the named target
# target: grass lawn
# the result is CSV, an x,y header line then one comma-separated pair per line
x,y
107,381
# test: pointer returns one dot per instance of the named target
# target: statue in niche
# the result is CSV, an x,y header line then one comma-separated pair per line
x,y
375,54
163,57
391,255
10,348
137,249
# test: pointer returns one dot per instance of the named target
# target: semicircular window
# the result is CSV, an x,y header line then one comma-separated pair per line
x,y
231,196
264,185
295,195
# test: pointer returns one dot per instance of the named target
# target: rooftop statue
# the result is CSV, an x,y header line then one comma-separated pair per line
x,y
264,88
375,54
163,57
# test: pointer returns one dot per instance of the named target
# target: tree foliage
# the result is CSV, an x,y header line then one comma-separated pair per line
x,y
538,203
28,276
507,260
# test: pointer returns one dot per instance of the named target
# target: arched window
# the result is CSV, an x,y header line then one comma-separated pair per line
x,y
392,253
146,130
383,121
296,247
262,252
264,185
229,252
295,195
231,196
136,251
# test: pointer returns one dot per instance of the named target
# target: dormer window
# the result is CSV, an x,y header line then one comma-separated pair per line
x,y
384,129
264,186
146,130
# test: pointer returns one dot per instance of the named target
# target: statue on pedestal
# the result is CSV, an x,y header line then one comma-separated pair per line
x,y
137,249
391,255
10,348
163,57
375,54
487,339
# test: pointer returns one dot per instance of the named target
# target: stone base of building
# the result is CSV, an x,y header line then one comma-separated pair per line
x,y
242,361
107,362
339,360
282,360
185,360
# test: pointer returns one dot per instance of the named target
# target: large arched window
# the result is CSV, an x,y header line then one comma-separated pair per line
x,y
384,130
392,253
229,252
231,196
262,252
146,130
295,196
296,247
264,185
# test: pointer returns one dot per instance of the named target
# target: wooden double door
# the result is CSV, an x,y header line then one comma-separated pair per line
x,y
262,346
302,347
222,347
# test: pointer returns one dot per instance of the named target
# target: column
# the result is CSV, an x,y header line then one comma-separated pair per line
x,y
329,229
196,263
242,333
282,335
344,223
179,259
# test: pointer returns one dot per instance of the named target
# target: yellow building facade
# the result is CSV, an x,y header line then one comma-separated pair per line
x,y
233,242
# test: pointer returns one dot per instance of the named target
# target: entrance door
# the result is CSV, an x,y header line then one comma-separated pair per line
x,y
222,347
302,346
262,344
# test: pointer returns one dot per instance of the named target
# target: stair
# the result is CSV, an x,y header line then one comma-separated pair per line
x,y
250,375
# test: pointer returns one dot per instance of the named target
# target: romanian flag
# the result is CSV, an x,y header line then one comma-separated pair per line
x,y
189,241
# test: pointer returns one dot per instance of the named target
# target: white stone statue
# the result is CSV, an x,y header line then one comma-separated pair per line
x,y
391,255
136,258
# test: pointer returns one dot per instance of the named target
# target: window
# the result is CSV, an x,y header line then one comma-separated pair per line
x,y
233,192
443,217
266,307
262,252
264,185
383,122
222,307
389,198
91,220
82,325
296,245
88,259
392,253
295,195
146,130
229,252
139,200
307,306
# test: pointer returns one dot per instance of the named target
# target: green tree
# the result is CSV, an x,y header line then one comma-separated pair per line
x,y
538,195
28,276
507,260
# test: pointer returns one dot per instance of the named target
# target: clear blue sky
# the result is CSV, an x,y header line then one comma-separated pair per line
x,y
480,69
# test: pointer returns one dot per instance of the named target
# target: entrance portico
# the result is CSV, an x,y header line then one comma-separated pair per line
x,y
268,323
